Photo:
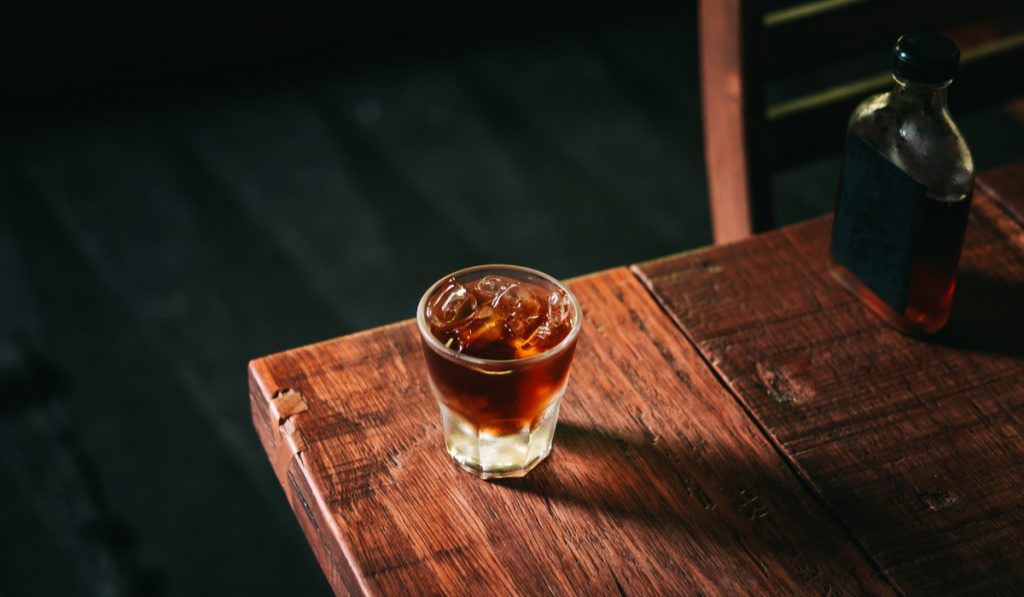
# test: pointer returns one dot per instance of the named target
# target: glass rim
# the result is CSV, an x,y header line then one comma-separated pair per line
x,y
458,357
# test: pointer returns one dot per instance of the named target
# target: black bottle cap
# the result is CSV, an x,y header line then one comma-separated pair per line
x,y
925,58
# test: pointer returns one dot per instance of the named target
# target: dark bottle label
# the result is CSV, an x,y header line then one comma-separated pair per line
x,y
878,222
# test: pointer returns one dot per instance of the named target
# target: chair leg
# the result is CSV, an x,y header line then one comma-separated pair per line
x,y
734,122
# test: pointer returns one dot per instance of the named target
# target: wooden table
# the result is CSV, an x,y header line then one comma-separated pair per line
x,y
735,423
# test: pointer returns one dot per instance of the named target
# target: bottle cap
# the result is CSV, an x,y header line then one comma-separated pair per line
x,y
925,58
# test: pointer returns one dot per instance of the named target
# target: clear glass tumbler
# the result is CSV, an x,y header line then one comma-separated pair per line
x,y
499,410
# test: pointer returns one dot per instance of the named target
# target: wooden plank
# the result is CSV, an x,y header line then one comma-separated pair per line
x,y
1006,186
916,445
658,478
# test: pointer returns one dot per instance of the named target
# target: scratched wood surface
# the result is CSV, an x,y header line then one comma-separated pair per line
x,y
1006,187
659,482
917,446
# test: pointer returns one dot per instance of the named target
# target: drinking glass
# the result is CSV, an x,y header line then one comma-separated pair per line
x,y
499,414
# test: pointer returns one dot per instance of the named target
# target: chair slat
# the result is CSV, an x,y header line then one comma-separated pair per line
x,y
838,29
985,79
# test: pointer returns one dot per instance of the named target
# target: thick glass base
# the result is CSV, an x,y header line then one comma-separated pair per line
x,y
491,456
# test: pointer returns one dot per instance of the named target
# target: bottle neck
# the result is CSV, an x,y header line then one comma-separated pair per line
x,y
930,95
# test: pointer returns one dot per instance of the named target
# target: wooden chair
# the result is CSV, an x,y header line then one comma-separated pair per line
x,y
743,47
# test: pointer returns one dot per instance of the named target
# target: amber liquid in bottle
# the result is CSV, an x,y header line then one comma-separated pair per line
x,y
932,274
908,177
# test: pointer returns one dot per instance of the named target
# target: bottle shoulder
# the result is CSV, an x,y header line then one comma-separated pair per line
x,y
920,139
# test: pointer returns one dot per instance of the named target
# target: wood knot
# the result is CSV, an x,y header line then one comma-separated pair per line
x,y
937,500
778,386
710,267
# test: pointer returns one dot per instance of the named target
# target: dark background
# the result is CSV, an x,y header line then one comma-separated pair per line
x,y
183,191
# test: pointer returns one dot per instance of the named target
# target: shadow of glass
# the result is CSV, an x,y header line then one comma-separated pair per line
x,y
671,483
590,467
988,316
689,495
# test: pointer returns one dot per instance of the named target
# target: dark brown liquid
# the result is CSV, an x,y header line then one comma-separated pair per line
x,y
503,319
500,404
932,274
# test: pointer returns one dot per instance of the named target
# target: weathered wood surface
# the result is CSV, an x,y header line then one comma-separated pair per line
x,y
659,481
1006,187
918,446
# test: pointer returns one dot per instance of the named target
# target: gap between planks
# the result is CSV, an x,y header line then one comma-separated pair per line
x,y
802,478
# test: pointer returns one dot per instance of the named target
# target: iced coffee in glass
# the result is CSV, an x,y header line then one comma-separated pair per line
x,y
498,341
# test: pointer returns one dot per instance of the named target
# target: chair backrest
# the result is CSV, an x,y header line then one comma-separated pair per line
x,y
743,48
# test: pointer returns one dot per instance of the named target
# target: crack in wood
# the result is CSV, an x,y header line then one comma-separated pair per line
x,y
663,350
618,585
750,506
650,438
635,317
692,488
305,505
393,457
551,510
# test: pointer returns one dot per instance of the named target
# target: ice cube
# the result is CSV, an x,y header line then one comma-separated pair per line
x,y
519,327
484,327
543,332
559,308
485,312
488,286
535,343
531,304
452,305
505,299
517,299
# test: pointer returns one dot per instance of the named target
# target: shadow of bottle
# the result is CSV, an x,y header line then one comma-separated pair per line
x,y
988,316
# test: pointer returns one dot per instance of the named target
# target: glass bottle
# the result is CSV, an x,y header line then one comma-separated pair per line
x,y
906,192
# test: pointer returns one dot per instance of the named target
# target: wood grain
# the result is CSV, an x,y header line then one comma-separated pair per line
x,y
1005,186
917,445
659,481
